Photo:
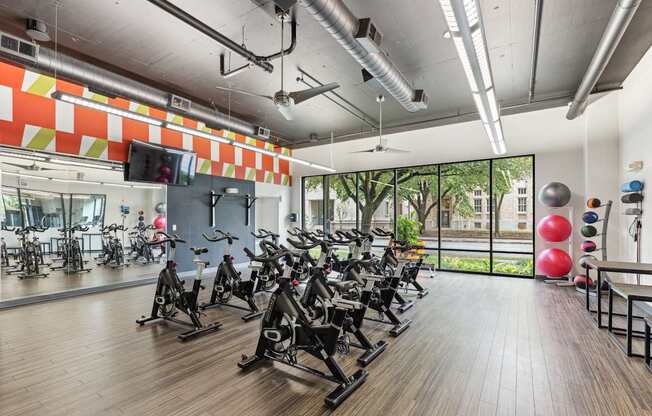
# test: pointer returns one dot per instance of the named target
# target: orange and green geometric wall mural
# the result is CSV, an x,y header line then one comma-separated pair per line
x,y
31,119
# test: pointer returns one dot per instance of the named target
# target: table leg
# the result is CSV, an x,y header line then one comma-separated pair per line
x,y
647,344
630,307
588,299
598,293
611,306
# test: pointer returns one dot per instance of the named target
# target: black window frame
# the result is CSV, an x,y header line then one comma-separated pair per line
x,y
438,250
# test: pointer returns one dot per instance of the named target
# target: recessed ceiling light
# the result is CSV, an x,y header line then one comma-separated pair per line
x,y
446,34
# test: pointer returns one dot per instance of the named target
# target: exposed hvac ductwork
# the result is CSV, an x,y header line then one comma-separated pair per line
x,y
620,19
110,83
338,20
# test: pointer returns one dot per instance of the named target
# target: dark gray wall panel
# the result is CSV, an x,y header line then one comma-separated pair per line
x,y
189,210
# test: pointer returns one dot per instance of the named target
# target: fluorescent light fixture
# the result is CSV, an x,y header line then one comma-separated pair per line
x,y
196,132
241,145
480,106
81,164
255,149
295,160
75,181
466,65
464,22
84,102
326,168
23,156
493,105
23,175
60,180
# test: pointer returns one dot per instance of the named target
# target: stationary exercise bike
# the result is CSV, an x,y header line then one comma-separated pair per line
x,y
4,253
320,300
228,282
29,255
113,252
140,250
286,329
171,297
73,261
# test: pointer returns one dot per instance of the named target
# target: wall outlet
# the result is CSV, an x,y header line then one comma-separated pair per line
x,y
174,227
635,166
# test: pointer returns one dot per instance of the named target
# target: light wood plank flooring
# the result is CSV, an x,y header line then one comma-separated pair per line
x,y
478,346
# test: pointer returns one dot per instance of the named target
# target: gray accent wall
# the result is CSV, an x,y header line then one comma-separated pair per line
x,y
189,211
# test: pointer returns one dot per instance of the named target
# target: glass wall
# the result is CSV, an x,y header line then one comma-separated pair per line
x,y
341,207
313,203
474,216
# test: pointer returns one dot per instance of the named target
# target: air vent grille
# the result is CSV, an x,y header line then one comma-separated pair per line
x,y
18,47
180,103
263,132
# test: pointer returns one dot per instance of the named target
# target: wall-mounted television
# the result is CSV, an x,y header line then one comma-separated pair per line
x,y
159,164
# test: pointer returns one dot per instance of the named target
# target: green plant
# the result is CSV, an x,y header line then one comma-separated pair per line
x,y
408,229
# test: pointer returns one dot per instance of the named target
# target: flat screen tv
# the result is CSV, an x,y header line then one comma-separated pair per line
x,y
159,164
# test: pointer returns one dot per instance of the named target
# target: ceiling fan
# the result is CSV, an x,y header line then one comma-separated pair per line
x,y
284,101
381,147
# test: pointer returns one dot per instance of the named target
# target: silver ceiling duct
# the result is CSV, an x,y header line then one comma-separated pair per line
x,y
614,31
338,20
110,83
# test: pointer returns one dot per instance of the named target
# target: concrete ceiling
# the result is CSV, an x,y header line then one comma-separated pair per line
x,y
138,37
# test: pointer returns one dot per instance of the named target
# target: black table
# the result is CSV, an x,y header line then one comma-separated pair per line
x,y
630,292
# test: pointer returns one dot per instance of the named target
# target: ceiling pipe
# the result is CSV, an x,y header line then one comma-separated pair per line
x,y
110,83
538,11
620,19
340,22
213,34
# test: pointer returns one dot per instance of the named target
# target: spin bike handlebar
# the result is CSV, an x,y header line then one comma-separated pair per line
x,y
225,236
379,232
172,239
272,258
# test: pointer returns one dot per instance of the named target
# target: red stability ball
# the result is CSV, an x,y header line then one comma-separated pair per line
x,y
554,228
553,262
160,222
580,281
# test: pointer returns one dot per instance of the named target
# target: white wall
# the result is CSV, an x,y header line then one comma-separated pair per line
x,y
284,196
635,109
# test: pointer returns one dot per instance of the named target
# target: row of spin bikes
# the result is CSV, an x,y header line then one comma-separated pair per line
x,y
28,260
318,302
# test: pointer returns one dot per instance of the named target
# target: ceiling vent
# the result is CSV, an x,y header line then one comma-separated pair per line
x,y
18,47
368,35
421,99
180,103
263,132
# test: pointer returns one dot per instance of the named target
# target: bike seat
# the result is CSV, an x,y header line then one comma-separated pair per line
x,y
342,287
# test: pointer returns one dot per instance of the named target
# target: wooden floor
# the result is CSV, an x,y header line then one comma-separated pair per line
x,y
11,287
478,346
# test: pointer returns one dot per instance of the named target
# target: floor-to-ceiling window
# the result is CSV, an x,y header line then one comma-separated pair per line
x,y
465,217
513,215
417,207
474,216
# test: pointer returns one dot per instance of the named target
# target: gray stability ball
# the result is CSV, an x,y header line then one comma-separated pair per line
x,y
554,194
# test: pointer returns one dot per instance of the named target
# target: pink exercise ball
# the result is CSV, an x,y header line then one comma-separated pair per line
x,y
554,262
554,228
160,222
580,281
588,246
